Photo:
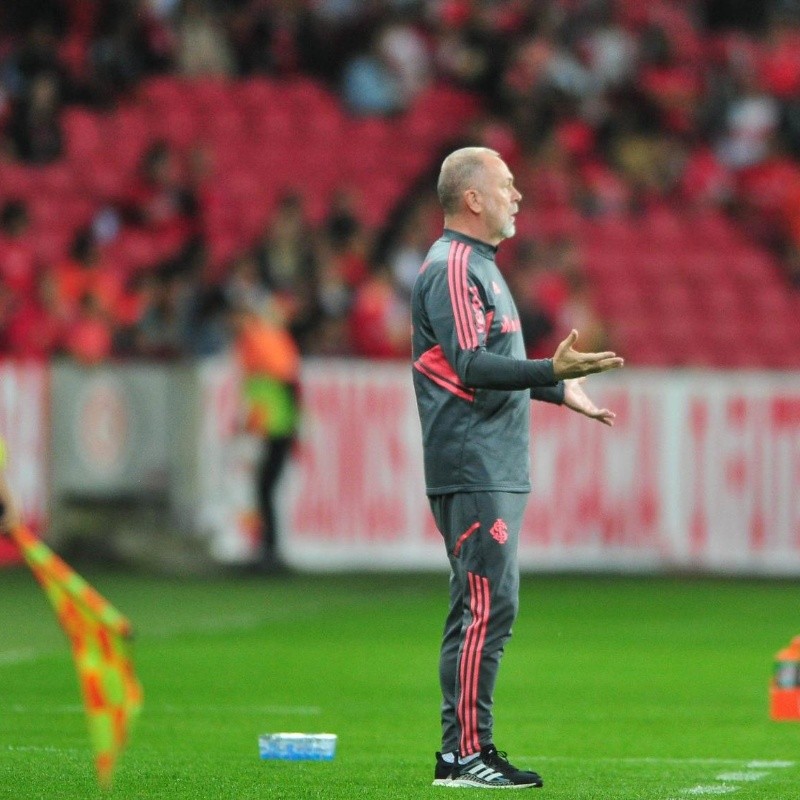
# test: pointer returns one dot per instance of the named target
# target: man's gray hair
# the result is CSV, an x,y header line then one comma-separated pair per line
x,y
458,173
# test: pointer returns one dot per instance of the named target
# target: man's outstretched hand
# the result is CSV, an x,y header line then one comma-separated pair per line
x,y
576,399
569,363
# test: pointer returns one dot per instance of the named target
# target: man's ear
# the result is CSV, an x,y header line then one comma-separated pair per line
x,y
472,200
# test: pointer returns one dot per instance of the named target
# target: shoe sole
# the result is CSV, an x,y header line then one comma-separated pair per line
x,y
464,783
442,782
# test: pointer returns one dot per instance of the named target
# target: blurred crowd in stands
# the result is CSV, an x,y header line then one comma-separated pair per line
x,y
604,109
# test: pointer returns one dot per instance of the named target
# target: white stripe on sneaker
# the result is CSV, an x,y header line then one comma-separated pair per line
x,y
484,773
489,774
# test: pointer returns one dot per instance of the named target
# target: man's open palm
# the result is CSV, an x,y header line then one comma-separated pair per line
x,y
569,363
577,399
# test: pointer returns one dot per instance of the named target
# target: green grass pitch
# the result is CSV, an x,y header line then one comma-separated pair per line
x,y
623,688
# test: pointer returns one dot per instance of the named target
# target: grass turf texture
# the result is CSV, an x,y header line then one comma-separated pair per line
x,y
612,688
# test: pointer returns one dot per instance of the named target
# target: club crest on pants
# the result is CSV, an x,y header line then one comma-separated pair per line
x,y
499,531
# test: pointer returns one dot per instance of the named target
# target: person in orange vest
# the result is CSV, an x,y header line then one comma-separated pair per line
x,y
270,363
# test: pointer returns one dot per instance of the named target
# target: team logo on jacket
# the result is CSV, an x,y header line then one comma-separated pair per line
x,y
477,307
509,325
499,531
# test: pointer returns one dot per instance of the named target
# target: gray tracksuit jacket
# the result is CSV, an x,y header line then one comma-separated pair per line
x,y
472,381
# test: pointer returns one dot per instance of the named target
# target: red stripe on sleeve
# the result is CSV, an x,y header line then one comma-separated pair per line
x,y
471,331
456,292
434,365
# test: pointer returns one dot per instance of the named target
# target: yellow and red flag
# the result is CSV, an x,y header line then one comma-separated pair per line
x,y
100,638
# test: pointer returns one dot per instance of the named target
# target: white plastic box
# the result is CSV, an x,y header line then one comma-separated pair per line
x,y
297,746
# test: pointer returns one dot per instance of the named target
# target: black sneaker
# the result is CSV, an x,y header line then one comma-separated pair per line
x,y
492,770
443,774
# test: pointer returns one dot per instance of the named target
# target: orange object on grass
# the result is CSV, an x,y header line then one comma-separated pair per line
x,y
785,686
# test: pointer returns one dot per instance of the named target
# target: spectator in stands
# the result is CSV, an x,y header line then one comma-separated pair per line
x,y
752,119
404,50
288,263
37,35
18,263
203,47
89,337
704,180
7,307
580,309
379,318
160,202
670,85
342,265
330,334
370,85
286,251
345,240
129,42
780,66
34,127
270,363
137,298
467,49
85,271
210,329
406,256
38,323
166,324
536,324
276,38
245,287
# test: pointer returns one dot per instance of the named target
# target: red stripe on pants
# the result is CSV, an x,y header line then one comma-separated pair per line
x,y
470,667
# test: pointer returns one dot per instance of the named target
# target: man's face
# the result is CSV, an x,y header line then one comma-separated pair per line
x,y
500,200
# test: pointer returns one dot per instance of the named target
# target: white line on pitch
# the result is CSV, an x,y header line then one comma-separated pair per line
x,y
21,655
306,711
656,760
741,776
218,623
712,789
276,710
33,748
165,630
73,708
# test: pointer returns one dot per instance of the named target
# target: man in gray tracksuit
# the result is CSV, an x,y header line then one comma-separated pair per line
x,y
473,385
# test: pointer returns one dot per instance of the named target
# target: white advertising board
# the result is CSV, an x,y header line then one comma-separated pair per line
x,y
701,471
24,418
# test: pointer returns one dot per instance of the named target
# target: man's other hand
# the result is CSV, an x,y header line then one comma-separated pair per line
x,y
577,399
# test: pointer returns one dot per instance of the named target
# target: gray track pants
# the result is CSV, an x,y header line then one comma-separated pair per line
x,y
481,532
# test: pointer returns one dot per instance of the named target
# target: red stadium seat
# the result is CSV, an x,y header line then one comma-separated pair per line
x,y
83,133
15,180
162,92
663,226
210,95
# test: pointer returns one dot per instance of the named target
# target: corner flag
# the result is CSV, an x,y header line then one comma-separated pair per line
x,y
99,635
